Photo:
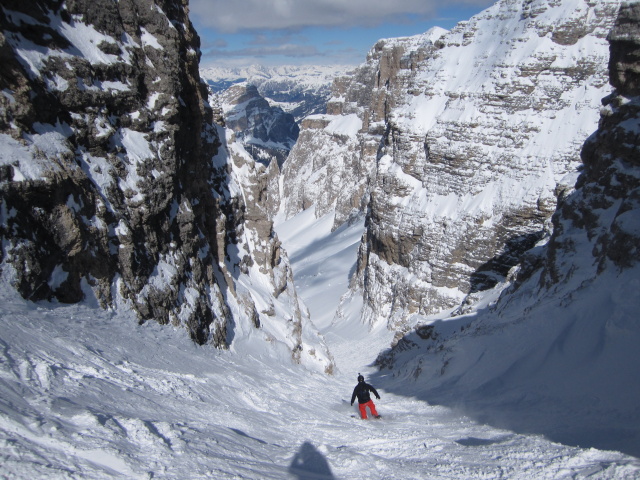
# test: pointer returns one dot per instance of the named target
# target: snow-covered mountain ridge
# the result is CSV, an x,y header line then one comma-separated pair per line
x,y
307,75
332,165
266,131
300,90
263,105
474,157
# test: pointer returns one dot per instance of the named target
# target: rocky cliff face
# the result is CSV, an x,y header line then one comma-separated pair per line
x,y
266,131
94,95
332,165
483,138
604,212
117,185
596,227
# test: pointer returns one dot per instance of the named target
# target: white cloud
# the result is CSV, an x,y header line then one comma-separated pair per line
x,y
230,17
287,50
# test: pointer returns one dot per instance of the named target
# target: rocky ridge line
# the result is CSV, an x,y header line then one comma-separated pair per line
x,y
332,164
266,131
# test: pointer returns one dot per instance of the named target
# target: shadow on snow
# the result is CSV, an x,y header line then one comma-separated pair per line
x,y
518,407
310,464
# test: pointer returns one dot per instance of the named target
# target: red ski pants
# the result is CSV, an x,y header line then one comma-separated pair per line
x,y
363,409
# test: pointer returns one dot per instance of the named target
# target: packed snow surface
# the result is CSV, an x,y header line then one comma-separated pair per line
x,y
88,393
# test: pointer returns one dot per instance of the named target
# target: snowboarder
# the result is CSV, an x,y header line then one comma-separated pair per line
x,y
364,399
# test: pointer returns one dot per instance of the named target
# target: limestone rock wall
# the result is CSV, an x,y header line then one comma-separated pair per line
x,y
107,139
332,164
476,150
601,219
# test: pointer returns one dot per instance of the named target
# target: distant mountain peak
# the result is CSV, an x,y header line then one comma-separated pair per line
x,y
298,89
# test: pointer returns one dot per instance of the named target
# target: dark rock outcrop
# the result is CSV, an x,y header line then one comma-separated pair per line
x,y
605,208
119,201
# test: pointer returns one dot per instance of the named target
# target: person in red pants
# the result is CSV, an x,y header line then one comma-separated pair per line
x,y
364,398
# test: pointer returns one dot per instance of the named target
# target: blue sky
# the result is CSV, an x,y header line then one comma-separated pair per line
x,y
318,32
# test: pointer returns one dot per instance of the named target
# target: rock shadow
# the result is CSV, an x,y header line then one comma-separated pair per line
x,y
242,434
481,442
495,270
526,419
310,464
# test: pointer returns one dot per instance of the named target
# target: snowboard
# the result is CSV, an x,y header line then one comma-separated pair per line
x,y
379,417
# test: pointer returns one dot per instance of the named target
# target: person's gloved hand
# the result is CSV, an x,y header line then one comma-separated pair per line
x,y
378,397
352,404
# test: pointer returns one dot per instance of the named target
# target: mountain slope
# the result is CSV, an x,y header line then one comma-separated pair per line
x,y
556,354
267,132
88,393
333,163
456,146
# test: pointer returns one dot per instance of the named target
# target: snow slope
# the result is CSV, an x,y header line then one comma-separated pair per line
x,y
557,354
323,260
557,365
91,394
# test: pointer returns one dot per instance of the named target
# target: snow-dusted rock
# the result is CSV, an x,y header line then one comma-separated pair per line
x,y
105,186
553,354
600,221
333,163
266,131
479,141
117,185
262,296
463,145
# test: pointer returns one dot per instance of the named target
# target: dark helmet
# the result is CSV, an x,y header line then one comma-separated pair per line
x,y
360,378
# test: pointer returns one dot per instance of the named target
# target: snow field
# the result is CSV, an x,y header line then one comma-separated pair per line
x,y
322,260
89,393
306,75
88,398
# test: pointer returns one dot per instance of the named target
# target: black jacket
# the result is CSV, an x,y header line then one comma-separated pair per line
x,y
362,392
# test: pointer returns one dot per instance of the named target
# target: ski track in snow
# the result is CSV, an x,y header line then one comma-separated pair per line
x,y
88,393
